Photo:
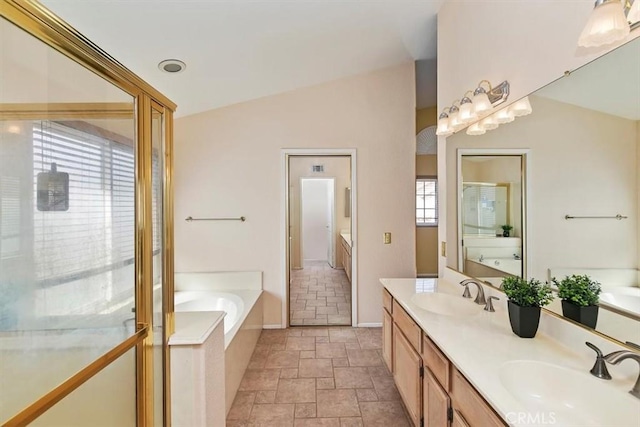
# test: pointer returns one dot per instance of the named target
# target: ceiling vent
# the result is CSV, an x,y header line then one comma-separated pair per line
x,y
317,168
172,66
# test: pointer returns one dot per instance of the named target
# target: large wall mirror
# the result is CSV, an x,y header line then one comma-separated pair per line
x,y
580,190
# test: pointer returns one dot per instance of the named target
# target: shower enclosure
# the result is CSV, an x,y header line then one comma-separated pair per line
x,y
86,252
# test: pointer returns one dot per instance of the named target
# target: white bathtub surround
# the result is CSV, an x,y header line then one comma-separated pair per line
x,y
494,347
198,369
241,294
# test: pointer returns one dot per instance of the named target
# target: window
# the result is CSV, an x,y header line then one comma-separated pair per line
x,y
427,201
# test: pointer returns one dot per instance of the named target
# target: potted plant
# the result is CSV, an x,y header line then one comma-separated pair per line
x,y
506,229
580,296
526,297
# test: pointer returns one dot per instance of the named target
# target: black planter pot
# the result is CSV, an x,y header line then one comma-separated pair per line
x,y
505,233
524,320
588,315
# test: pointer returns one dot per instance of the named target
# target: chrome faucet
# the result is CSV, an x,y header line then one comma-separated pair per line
x,y
600,367
618,356
480,297
481,258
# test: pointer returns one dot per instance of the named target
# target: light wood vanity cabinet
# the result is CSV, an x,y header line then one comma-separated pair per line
x,y
436,402
407,366
434,392
387,337
346,257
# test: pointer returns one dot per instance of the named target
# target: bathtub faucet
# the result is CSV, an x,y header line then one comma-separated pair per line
x,y
481,258
516,256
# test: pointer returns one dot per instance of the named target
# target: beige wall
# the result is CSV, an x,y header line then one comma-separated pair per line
x,y
427,237
426,117
426,165
582,162
515,47
228,162
334,167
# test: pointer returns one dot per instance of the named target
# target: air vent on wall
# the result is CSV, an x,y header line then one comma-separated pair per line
x,y
317,168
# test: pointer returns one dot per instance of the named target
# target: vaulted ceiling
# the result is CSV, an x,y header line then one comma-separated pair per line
x,y
237,50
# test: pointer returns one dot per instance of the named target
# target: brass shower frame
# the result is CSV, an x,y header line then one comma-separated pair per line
x,y
39,22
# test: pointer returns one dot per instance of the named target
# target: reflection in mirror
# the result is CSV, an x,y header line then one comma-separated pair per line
x,y
583,139
490,216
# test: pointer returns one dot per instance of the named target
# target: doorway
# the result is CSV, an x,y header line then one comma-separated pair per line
x,y
319,224
317,237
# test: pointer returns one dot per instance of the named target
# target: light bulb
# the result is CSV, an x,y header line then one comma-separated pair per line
x,y
475,129
607,24
504,116
443,126
467,112
481,102
521,107
489,123
454,120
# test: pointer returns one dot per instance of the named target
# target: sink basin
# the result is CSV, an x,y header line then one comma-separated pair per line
x,y
446,305
560,396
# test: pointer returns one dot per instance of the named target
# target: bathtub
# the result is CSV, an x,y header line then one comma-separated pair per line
x,y
239,295
231,304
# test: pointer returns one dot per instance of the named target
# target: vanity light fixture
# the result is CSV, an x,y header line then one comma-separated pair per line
x,y
467,110
481,101
472,106
444,129
476,129
610,22
521,107
454,117
489,123
504,116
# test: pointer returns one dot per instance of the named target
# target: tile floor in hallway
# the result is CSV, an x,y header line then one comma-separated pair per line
x,y
303,377
319,295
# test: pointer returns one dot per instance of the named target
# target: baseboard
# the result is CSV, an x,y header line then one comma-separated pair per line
x,y
370,325
274,326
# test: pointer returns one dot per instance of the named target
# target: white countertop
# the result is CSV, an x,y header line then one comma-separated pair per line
x,y
194,327
479,344
346,237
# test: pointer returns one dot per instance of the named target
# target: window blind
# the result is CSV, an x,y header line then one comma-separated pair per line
x,y
96,234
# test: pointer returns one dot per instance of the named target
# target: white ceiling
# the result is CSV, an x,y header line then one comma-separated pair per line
x,y
237,50
610,84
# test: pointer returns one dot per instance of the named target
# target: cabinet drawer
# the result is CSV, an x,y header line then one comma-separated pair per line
x,y
471,405
436,362
386,301
406,324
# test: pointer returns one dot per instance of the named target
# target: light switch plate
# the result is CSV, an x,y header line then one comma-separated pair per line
x,y
387,238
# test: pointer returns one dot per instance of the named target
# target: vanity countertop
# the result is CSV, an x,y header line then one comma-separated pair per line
x,y
346,237
480,344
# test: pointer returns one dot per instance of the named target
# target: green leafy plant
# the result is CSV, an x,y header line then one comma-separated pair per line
x,y
581,290
506,227
527,293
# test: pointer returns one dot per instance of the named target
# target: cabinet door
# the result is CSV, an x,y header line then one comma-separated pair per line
x,y
387,339
406,372
436,402
458,420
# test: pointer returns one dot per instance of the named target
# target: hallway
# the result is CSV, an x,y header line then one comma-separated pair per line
x,y
332,377
319,295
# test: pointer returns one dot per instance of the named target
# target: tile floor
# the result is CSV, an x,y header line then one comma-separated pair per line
x,y
319,295
304,377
